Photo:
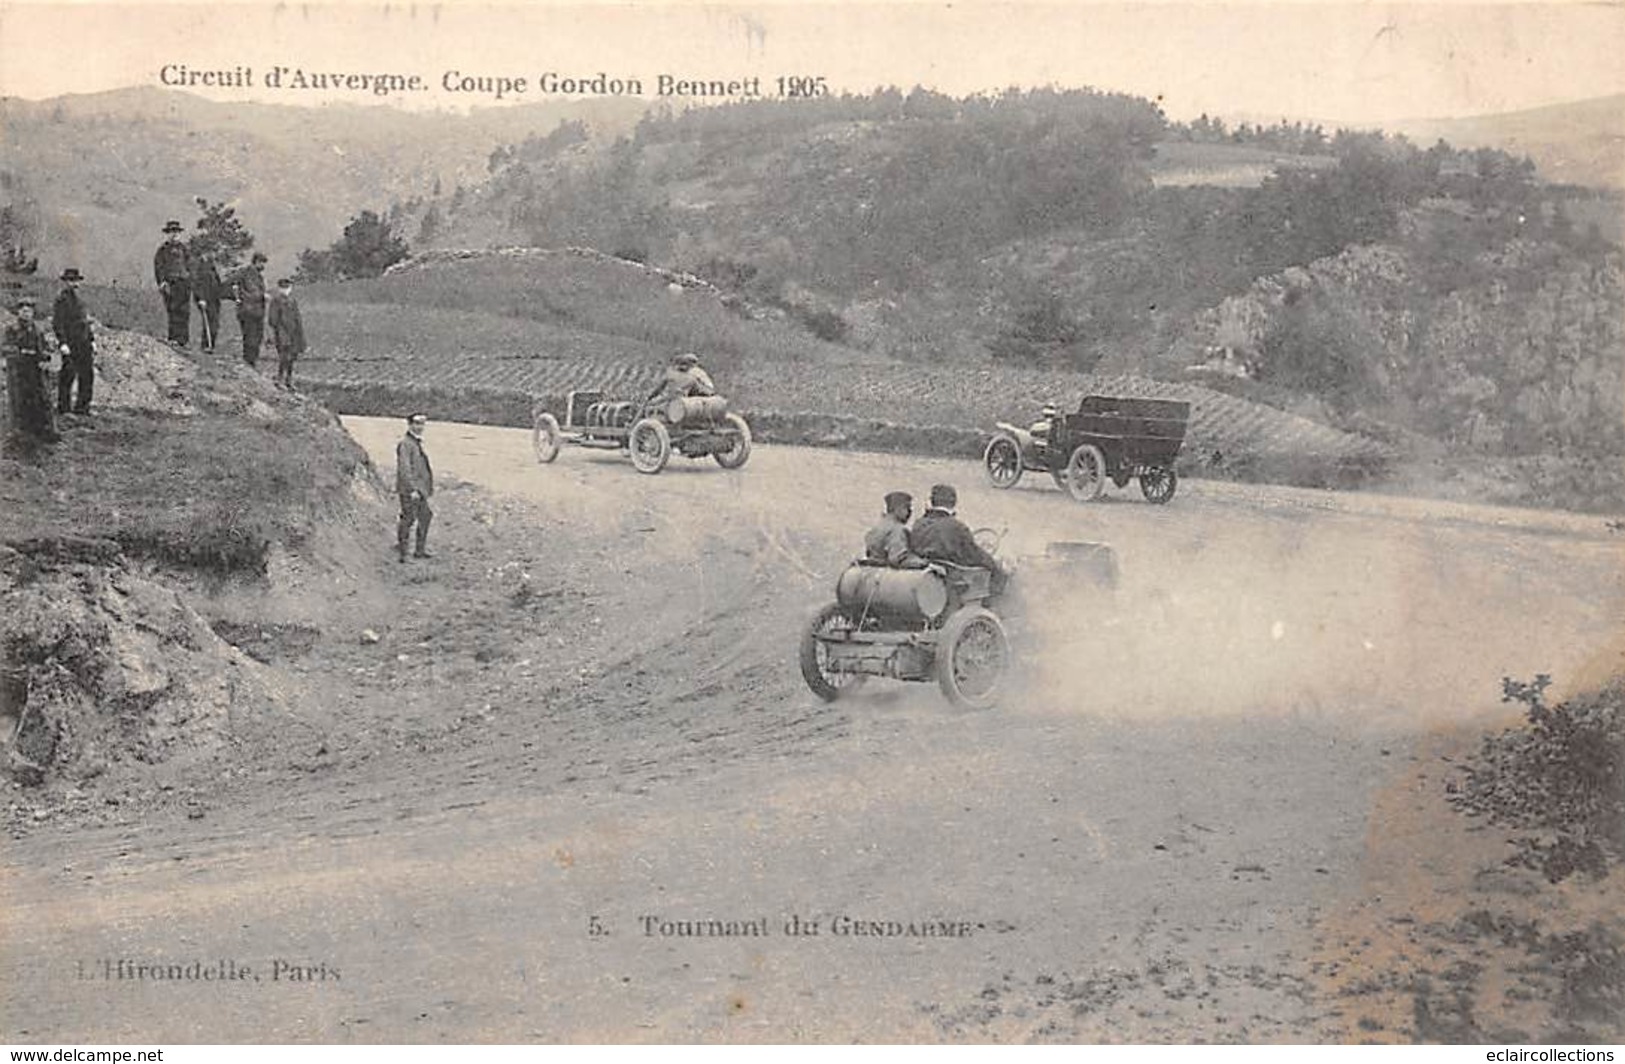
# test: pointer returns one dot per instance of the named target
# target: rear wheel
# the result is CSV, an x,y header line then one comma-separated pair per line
x,y
1086,473
814,656
650,445
545,436
973,654
736,455
1003,461
1157,485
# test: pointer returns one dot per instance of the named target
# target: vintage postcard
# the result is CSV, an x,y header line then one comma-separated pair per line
x,y
812,522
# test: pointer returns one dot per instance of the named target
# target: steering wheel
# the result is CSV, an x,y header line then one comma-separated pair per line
x,y
989,538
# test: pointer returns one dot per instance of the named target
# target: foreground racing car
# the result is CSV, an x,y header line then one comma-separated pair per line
x,y
910,624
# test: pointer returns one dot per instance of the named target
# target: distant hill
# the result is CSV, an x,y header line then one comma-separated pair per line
x,y
1579,143
99,174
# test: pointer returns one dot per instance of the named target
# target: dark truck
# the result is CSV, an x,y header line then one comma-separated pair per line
x,y
1114,438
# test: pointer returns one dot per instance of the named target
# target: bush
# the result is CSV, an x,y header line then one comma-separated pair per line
x,y
1561,777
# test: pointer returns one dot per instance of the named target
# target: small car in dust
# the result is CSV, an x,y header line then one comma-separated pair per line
x,y
936,623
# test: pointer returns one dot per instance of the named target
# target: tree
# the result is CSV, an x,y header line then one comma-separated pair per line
x,y
368,247
16,240
220,235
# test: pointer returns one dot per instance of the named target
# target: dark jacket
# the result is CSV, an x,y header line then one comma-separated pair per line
x,y
412,469
70,322
248,289
940,536
172,262
206,286
287,328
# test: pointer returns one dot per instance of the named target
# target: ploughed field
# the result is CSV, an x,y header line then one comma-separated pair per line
x,y
465,354
610,809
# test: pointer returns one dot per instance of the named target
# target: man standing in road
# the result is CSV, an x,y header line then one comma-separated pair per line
x,y
248,292
287,331
414,483
26,353
76,344
206,290
172,269
940,536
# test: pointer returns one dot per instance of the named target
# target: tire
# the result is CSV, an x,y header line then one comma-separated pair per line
x,y
545,437
973,654
1086,473
1002,460
649,445
823,683
1158,485
739,454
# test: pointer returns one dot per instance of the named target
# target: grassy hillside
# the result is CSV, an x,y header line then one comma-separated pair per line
x,y
1581,143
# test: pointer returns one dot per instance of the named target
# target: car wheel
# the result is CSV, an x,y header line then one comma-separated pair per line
x,y
1003,461
650,445
815,658
1086,473
739,453
1157,485
545,437
973,654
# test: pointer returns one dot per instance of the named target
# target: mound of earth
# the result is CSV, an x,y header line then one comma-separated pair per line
x,y
223,516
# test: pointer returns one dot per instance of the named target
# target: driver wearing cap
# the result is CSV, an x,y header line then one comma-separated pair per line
x,y
940,536
685,377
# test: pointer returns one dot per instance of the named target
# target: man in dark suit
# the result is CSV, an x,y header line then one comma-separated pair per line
x,y
76,344
248,292
172,269
26,354
941,536
414,483
206,292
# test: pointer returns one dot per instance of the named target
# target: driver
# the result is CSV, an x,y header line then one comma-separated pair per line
x,y
940,536
684,378
1041,428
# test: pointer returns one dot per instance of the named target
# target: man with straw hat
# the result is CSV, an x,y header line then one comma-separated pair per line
x,y
27,353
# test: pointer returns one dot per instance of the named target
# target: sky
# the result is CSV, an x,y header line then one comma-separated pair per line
x,y
1355,63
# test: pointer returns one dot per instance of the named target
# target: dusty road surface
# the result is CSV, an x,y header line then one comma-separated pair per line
x,y
583,735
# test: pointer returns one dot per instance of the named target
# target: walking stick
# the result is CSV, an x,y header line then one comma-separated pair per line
x,y
208,333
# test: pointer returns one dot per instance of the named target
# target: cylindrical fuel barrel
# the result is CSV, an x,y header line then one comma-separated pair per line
x,y
898,595
695,408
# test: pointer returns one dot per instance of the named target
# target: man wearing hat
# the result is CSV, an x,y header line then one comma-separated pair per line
x,y
685,377
287,331
172,269
940,536
248,292
77,345
26,354
414,483
888,542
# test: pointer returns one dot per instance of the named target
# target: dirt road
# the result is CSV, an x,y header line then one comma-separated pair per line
x,y
535,785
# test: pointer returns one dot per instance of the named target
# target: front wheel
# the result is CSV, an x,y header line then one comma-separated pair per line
x,y
650,445
1086,473
814,655
1157,485
1003,461
735,456
545,436
973,654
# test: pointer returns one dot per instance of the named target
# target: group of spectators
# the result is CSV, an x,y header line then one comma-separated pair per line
x,y
28,358
187,278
